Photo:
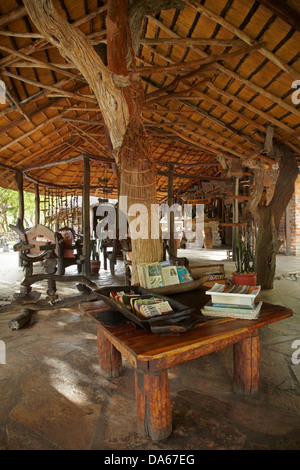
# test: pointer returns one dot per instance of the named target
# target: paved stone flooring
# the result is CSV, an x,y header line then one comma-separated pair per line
x,y
54,398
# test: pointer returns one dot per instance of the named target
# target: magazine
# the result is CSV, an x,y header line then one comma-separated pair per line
x,y
234,295
153,275
170,275
183,274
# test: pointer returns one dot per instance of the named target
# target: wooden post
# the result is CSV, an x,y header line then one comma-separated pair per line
x,y
86,229
235,218
172,242
247,366
110,359
19,181
154,418
37,204
20,221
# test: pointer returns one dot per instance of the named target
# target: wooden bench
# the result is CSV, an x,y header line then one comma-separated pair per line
x,y
151,355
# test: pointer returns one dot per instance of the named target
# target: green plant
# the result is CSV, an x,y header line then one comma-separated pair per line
x,y
94,251
245,250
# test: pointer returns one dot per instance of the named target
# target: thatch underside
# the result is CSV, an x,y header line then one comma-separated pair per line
x,y
202,110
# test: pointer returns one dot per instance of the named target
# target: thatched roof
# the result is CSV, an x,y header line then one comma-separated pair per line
x,y
248,51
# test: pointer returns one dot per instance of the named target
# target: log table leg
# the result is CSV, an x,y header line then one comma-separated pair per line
x,y
154,417
110,358
246,356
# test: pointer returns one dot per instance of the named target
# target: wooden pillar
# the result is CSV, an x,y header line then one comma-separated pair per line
x,y
235,214
246,356
37,204
172,242
86,229
19,181
154,418
110,359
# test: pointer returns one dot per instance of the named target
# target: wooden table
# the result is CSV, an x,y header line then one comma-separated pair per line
x,y
151,355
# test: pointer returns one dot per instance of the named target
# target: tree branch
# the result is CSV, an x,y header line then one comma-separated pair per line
x,y
74,46
140,8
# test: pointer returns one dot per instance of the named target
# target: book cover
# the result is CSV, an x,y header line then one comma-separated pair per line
x,y
216,276
141,274
166,263
183,274
138,303
231,308
241,313
160,308
170,276
125,300
153,275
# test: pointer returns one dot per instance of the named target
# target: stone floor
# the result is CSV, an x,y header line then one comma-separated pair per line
x,y
54,398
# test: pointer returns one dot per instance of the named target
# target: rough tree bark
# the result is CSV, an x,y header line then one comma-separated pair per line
x,y
269,216
119,95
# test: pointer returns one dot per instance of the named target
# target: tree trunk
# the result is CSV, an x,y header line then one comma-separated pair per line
x,y
138,184
119,97
268,247
269,216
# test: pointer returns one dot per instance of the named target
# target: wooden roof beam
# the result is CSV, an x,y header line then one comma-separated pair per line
x,y
267,116
284,11
12,16
201,137
40,109
186,42
42,64
41,43
199,62
37,128
50,87
245,37
221,68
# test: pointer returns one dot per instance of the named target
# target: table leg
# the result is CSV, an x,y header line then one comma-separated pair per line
x,y
246,356
154,417
110,358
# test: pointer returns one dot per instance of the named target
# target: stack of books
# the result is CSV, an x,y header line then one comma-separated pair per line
x,y
152,275
233,301
141,305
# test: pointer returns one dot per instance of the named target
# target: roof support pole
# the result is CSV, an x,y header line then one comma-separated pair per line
x,y
86,229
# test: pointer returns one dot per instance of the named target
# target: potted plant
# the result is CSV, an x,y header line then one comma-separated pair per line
x,y
94,262
245,253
